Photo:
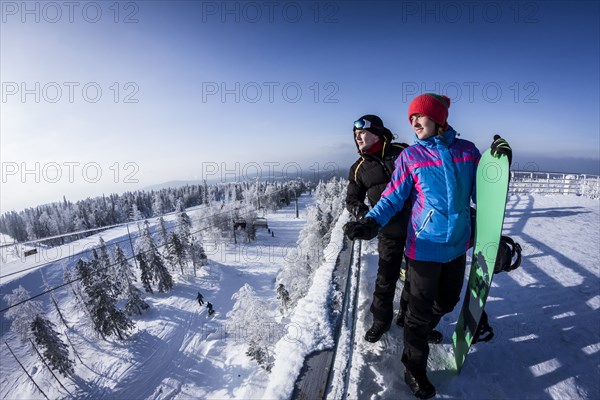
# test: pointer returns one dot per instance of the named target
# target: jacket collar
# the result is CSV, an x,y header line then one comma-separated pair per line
x,y
379,154
438,141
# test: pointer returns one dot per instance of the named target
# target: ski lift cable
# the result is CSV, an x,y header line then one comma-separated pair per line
x,y
134,236
112,226
96,271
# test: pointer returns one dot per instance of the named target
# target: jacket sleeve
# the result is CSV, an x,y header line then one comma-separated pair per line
x,y
395,194
355,195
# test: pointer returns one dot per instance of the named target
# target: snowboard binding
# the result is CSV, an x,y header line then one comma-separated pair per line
x,y
507,250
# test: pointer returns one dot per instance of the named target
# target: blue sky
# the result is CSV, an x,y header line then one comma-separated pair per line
x,y
193,90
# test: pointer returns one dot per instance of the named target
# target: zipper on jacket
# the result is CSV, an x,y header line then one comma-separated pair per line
x,y
427,218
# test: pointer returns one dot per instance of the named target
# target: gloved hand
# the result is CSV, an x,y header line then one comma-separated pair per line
x,y
360,211
501,147
365,229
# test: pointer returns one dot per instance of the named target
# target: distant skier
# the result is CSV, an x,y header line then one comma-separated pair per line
x,y
210,308
200,298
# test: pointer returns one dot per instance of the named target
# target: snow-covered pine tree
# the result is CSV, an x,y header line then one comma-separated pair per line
x,y
163,276
145,274
101,301
298,272
250,230
108,270
179,207
125,276
259,354
177,255
56,352
84,271
146,248
108,319
184,229
162,230
284,297
23,314
157,205
253,316
197,253
70,275
136,215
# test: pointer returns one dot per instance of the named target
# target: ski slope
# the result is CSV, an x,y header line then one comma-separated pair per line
x,y
545,316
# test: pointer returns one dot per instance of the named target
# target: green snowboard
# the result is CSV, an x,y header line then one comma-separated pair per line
x,y
491,191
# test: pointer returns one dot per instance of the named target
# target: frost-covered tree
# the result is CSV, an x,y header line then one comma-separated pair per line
x,y
123,273
197,253
284,298
23,313
125,276
298,272
136,215
253,316
163,277
107,269
184,229
100,300
70,275
260,354
177,255
250,230
55,351
146,248
157,205
179,207
145,273
108,319
162,230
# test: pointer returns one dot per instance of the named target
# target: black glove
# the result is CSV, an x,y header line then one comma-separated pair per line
x,y
501,147
360,211
365,229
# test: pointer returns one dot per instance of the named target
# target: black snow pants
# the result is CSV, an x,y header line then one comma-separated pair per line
x,y
434,291
391,253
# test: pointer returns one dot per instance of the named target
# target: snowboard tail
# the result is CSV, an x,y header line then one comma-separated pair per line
x,y
491,191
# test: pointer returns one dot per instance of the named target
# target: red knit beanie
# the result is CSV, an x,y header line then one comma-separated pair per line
x,y
432,105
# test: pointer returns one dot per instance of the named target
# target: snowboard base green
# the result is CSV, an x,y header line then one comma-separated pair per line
x,y
491,190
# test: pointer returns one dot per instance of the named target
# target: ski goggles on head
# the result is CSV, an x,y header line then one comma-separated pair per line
x,y
362,124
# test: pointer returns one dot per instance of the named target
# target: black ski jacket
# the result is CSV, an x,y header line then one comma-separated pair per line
x,y
368,177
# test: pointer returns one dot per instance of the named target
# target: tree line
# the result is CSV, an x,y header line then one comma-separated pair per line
x,y
104,281
64,217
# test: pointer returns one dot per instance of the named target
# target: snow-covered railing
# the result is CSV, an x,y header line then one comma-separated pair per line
x,y
554,183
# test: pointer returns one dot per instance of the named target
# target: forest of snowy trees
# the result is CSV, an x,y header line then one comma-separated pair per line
x,y
65,217
108,285
263,325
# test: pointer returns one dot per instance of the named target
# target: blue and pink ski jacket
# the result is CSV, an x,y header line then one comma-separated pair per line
x,y
437,175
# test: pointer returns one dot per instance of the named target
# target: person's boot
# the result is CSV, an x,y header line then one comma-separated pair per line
x,y
400,319
434,337
376,331
419,384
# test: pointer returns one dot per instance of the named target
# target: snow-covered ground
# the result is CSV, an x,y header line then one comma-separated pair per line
x,y
177,351
545,316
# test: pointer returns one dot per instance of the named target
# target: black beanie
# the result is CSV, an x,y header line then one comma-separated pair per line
x,y
377,127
